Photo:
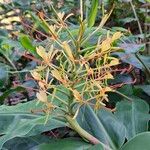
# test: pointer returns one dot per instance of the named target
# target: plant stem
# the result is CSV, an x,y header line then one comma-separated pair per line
x,y
142,62
81,9
75,126
136,17
13,66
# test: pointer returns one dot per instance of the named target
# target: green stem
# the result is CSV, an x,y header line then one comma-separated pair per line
x,y
81,9
75,126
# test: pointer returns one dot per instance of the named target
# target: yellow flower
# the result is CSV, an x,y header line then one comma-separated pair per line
x,y
106,45
114,62
116,36
42,53
36,75
68,51
42,96
56,74
77,95
108,76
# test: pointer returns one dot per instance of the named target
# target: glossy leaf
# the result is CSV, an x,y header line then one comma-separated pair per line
x,y
139,142
134,115
18,121
103,125
66,144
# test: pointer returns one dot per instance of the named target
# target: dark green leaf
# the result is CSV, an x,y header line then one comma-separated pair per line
x,y
145,88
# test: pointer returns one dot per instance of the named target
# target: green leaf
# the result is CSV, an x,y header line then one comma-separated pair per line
x,y
38,22
121,78
18,121
145,88
93,12
8,92
27,44
134,115
132,59
3,75
66,144
103,125
26,143
132,48
96,147
139,142
114,97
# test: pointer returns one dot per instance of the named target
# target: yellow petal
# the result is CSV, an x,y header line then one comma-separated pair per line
x,y
61,15
42,84
68,51
114,62
108,76
97,84
42,53
77,95
52,28
104,90
36,75
40,68
106,45
107,89
116,36
41,96
56,74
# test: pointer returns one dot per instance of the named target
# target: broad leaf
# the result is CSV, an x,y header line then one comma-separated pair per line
x,y
132,48
145,88
66,144
103,125
96,147
26,143
132,59
114,97
140,142
134,115
121,78
18,121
